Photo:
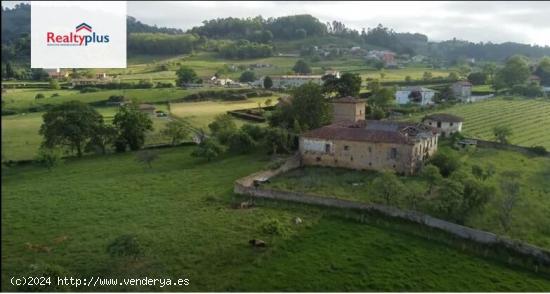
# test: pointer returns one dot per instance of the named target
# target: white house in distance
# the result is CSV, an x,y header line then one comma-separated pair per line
x,y
446,124
462,90
416,95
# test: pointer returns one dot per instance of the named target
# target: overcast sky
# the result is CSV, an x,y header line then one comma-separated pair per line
x,y
521,21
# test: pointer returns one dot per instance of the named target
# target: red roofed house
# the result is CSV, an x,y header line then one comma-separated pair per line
x,y
353,142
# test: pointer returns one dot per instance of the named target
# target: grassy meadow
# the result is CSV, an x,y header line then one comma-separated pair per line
x,y
181,212
531,217
527,118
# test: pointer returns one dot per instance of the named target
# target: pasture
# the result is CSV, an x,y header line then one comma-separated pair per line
x,y
21,141
531,217
180,211
527,118
200,114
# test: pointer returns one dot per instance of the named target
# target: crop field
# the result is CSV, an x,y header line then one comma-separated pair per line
x,y
180,211
20,138
531,218
200,114
528,119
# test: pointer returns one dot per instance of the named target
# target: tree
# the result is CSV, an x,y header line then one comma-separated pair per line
x,y
223,127
453,76
39,96
132,125
209,149
308,107
241,142
449,199
349,84
515,71
71,124
447,162
176,131
147,157
374,86
54,84
430,173
414,195
254,131
186,75
10,73
543,71
502,133
476,194
489,69
477,78
268,102
277,140
247,76
427,76
387,186
464,70
383,98
510,189
103,136
408,79
49,157
268,82
301,67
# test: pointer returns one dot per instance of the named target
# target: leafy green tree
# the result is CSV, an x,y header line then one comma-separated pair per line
x,y
209,149
223,127
477,78
308,107
510,189
71,124
268,82
543,71
241,142
186,75
408,79
453,76
374,86
10,73
427,76
476,194
502,133
49,157
132,126
447,162
464,70
387,186
301,67
176,131
103,136
448,202
515,71
254,131
489,69
430,173
38,74
54,84
414,195
247,76
349,84
277,140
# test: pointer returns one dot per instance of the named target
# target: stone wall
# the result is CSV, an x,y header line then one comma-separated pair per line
x,y
245,186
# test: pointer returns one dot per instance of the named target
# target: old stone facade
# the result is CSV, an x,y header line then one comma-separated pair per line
x,y
353,142
446,124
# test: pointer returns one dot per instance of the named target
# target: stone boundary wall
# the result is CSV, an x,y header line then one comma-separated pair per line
x,y
245,186
497,145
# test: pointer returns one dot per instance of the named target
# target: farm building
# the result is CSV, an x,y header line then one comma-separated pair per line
x,y
353,142
462,90
416,95
56,73
147,108
446,124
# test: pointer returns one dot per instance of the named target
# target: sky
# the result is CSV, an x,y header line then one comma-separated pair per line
x,y
520,21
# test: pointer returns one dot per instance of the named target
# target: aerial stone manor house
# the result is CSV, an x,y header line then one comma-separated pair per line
x,y
353,142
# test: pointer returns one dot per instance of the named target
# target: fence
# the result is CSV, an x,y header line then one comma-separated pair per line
x,y
245,186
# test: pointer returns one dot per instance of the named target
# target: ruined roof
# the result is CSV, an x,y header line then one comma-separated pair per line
x,y
444,117
372,131
348,99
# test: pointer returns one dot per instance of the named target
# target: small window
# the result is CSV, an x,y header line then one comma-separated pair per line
x,y
393,153
318,159
370,163
451,124
394,166
430,123
327,148
346,147
439,124
370,149
351,158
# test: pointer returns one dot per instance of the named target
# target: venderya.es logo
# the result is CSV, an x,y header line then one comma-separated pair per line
x,y
75,39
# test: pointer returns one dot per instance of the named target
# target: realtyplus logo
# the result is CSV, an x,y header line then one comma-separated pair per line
x,y
74,39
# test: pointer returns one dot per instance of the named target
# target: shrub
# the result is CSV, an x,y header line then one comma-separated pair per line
x,y
8,112
447,162
254,131
241,142
539,150
55,95
49,158
39,96
89,90
124,245
274,227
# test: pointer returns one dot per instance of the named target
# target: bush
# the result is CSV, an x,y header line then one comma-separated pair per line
x,y
124,245
39,96
447,162
49,158
8,112
274,227
254,131
241,142
89,90
539,150
55,95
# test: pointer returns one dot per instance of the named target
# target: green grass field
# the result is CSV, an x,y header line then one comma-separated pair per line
x,y
20,138
527,118
180,211
531,217
200,114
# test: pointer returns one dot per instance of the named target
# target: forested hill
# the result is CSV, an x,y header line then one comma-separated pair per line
x,y
255,37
